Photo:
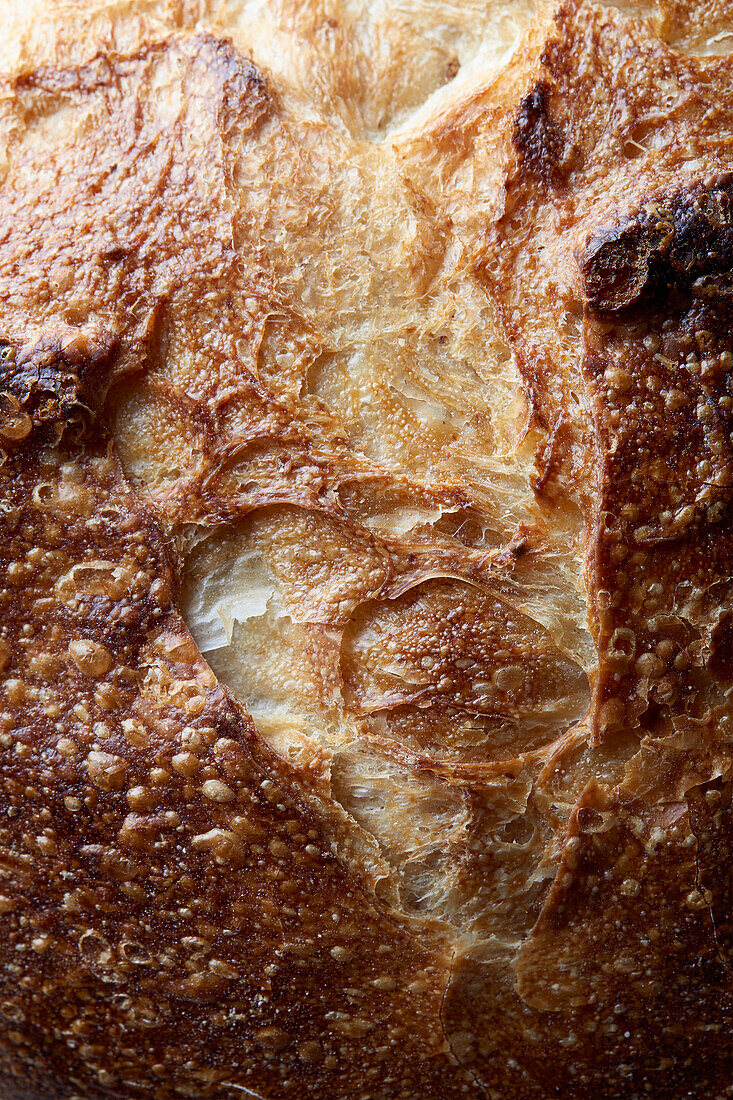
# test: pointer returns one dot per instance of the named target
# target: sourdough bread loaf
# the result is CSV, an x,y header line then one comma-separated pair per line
x,y
366,549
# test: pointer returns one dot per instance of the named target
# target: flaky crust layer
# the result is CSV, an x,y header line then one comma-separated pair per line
x,y
366,570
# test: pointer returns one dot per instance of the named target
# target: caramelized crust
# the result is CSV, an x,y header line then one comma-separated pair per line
x,y
167,886
366,602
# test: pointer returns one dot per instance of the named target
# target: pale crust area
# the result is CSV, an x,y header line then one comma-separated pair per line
x,y
366,621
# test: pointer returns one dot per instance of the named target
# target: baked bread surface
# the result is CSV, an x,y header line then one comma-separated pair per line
x,y
367,559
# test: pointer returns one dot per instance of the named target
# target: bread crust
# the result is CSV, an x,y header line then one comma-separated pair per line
x,y
366,619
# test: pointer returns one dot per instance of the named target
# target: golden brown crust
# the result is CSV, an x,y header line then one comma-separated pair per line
x,y
655,358
157,855
366,618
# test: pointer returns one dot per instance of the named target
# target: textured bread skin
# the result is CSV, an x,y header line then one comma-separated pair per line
x,y
366,602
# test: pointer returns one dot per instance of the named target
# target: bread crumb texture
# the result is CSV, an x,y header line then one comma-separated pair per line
x,y
366,550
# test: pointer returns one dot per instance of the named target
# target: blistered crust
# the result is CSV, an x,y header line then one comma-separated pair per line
x,y
367,636
157,855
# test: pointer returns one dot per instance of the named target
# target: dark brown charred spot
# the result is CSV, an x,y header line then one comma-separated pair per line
x,y
671,248
53,383
538,138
